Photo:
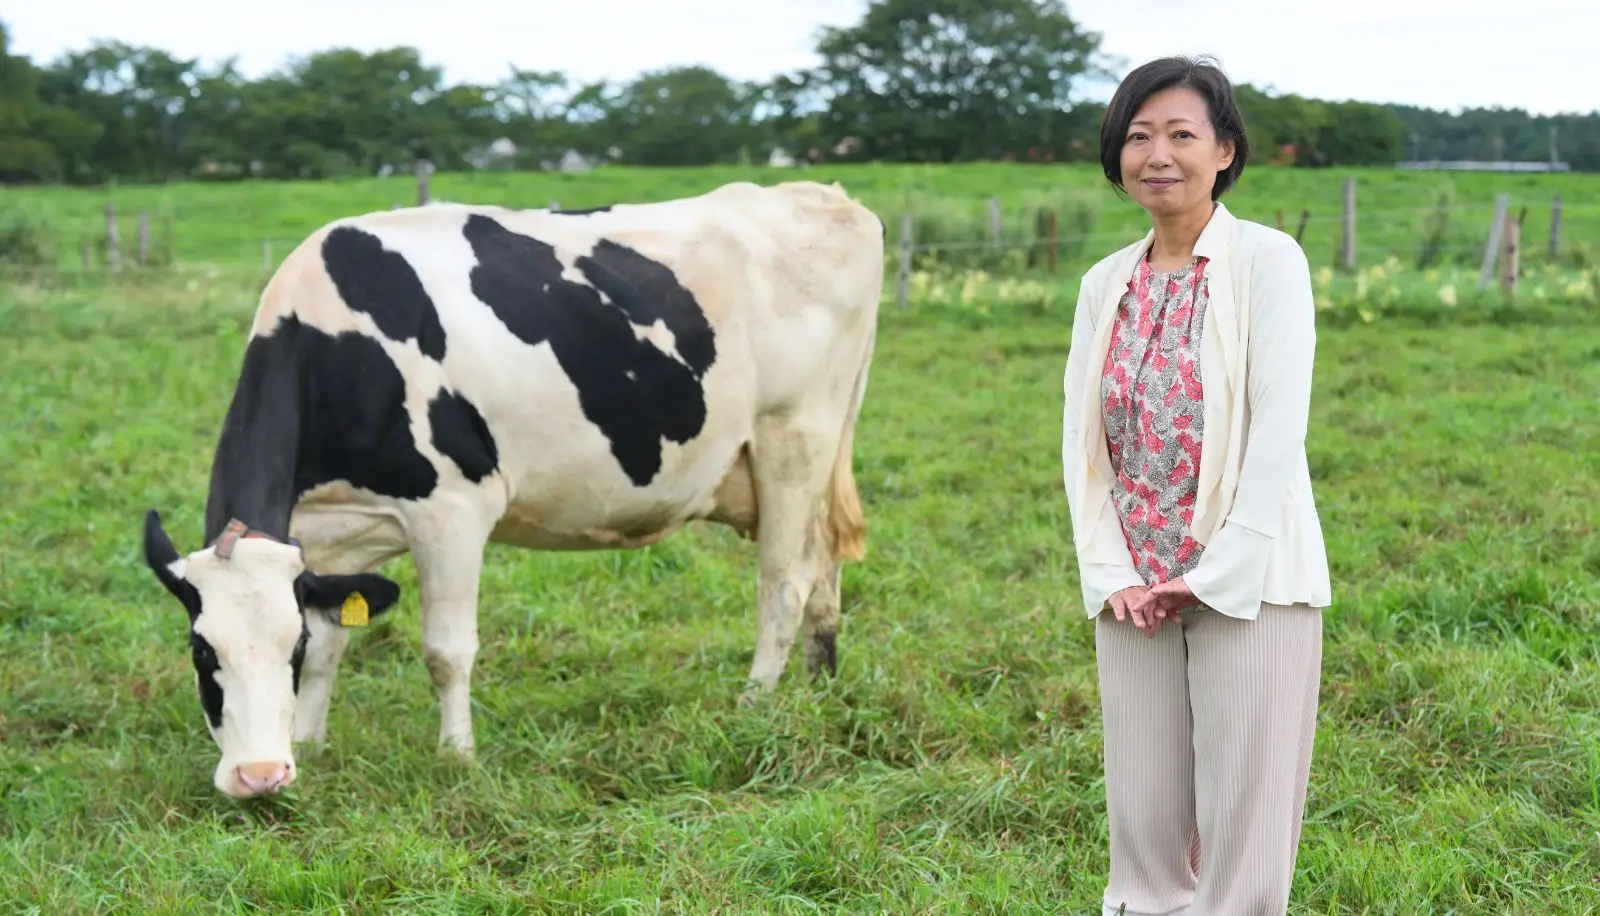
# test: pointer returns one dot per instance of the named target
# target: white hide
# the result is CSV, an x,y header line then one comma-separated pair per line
x,y
251,620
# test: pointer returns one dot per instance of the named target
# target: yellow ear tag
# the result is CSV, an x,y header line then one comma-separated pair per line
x,y
354,611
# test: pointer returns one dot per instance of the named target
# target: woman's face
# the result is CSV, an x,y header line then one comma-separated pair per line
x,y
1170,156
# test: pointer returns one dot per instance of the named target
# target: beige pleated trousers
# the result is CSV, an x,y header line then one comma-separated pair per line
x,y
1208,736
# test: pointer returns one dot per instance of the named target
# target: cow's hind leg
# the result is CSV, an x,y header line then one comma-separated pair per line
x,y
811,522
448,541
820,629
841,531
791,465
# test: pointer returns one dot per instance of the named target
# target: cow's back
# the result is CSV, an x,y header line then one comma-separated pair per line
x,y
604,369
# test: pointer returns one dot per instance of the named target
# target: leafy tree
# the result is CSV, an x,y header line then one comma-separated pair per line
x,y
681,116
912,80
25,152
953,79
1358,133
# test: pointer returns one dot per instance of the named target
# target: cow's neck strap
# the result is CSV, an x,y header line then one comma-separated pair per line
x,y
235,530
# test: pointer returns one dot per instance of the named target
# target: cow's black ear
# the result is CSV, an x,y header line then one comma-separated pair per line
x,y
349,600
165,561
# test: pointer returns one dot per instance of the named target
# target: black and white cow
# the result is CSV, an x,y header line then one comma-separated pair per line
x,y
433,379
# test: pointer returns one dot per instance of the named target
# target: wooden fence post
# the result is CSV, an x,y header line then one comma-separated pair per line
x,y
266,255
1491,251
1347,251
1305,217
1050,234
905,258
1509,260
422,182
144,237
111,236
994,221
1555,228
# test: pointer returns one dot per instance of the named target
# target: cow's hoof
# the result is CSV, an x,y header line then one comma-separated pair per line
x,y
457,753
754,692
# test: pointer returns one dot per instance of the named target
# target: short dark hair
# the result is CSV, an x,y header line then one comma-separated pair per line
x,y
1203,75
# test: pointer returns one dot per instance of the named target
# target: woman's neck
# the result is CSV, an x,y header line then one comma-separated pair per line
x,y
1176,235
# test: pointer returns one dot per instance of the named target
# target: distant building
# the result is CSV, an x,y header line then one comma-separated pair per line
x,y
574,161
1469,165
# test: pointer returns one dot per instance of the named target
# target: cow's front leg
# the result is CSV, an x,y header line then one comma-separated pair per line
x,y
324,648
449,559
330,548
450,644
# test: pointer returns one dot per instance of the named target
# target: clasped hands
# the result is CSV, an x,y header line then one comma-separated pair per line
x,y
1152,605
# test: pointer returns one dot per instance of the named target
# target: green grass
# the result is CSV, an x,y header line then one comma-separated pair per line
x,y
954,766
243,225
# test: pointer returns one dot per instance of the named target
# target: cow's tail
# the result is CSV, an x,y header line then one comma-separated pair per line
x,y
846,521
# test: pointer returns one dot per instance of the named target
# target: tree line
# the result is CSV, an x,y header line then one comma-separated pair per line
x,y
912,81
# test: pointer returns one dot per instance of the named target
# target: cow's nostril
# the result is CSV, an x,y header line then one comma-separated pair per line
x,y
263,776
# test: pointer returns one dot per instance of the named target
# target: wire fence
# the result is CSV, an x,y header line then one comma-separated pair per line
x,y
1460,233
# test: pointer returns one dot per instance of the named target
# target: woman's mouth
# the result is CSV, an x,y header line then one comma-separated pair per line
x,y
1160,184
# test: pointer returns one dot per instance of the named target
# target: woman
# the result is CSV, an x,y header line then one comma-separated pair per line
x,y
1199,547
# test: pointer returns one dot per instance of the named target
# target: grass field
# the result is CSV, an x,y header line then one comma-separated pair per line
x,y
248,224
953,766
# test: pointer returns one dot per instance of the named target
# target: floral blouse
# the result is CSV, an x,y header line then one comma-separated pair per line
x,y
1154,416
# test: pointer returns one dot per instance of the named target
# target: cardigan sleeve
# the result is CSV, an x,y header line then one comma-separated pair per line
x,y
1278,371
1104,565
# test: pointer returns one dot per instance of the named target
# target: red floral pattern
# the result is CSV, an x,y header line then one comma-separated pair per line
x,y
1154,416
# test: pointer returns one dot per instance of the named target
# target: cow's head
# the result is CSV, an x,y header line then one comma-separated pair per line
x,y
247,596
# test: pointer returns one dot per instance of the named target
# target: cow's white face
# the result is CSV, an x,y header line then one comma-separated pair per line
x,y
248,637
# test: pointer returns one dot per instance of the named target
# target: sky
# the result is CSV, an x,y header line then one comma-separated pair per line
x,y
1537,55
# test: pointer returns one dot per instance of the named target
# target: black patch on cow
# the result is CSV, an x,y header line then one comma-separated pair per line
x,y
460,434
159,555
311,408
297,659
583,212
635,393
354,425
826,643
648,291
381,283
206,667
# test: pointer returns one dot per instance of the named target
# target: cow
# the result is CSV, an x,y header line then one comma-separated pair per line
x,y
434,379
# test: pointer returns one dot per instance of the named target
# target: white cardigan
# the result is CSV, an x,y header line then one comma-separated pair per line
x,y
1254,511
